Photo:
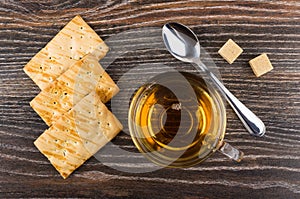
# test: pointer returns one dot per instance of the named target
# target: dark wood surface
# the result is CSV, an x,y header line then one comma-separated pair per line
x,y
271,167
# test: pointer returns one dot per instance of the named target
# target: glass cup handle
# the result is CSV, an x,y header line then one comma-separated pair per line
x,y
231,152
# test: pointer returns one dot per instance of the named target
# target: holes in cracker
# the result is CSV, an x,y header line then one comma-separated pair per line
x,y
81,37
108,124
71,47
89,73
54,103
99,123
81,28
64,152
71,57
50,57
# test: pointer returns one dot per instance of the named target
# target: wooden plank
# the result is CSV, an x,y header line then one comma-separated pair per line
x,y
271,168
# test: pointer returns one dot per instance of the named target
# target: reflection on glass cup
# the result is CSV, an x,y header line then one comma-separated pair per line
x,y
177,120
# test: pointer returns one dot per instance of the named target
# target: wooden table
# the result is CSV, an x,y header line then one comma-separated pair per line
x,y
271,167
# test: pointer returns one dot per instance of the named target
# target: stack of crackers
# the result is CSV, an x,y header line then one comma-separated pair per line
x,y
74,88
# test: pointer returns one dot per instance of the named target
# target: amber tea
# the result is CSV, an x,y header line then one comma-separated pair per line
x,y
175,119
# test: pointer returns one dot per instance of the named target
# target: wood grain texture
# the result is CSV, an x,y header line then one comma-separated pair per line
x,y
271,168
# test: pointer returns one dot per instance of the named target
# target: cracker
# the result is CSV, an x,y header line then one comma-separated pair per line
x,y
261,65
78,134
72,43
66,91
230,51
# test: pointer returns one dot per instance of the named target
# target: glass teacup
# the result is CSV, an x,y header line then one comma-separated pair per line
x,y
176,119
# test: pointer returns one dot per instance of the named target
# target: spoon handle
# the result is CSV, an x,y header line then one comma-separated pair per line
x,y
252,123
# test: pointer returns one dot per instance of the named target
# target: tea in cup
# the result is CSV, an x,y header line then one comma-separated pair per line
x,y
176,119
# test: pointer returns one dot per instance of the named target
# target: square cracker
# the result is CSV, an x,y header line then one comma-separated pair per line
x,y
73,42
66,91
78,134
230,51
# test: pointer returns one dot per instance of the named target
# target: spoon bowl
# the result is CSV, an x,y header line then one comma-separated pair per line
x,y
184,45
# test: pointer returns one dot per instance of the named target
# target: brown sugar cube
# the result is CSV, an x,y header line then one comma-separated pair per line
x,y
230,51
261,65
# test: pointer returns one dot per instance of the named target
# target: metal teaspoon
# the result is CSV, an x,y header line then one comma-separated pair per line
x,y
184,45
